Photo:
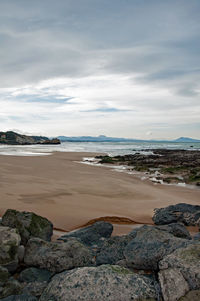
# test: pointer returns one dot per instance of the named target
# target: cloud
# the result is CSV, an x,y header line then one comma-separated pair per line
x,y
77,67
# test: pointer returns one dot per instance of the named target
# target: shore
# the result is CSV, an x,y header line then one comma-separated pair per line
x,y
72,194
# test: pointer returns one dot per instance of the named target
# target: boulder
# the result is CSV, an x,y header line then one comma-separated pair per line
x,y
112,250
9,243
34,274
4,275
176,229
106,282
91,235
22,297
35,288
149,246
184,213
28,224
191,296
56,256
10,287
187,261
197,236
173,284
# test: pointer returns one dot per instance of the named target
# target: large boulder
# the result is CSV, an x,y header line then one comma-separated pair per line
x,y
191,296
91,235
185,213
112,250
10,287
57,256
149,246
28,224
106,282
177,229
9,244
187,261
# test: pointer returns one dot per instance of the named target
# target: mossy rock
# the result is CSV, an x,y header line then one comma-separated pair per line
x,y
28,224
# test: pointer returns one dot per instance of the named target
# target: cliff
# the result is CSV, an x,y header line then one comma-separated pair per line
x,y
13,138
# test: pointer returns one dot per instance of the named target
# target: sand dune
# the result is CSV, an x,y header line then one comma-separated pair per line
x,y
71,194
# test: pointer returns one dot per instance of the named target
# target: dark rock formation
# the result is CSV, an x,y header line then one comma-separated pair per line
x,y
57,256
34,274
149,246
18,139
184,213
28,224
91,235
176,229
106,282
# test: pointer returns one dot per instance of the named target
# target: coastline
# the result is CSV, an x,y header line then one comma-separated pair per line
x,y
71,194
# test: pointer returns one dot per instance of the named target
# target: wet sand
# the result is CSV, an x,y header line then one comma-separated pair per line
x,y
71,194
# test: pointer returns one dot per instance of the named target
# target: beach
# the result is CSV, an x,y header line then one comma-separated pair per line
x,y
71,194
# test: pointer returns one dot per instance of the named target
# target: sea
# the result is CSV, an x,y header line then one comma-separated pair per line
x,y
110,148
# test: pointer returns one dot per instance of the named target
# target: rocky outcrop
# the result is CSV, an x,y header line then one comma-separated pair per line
x,y
28,224
149,246
57,256
91,235
13,138
9,243
182,269
107,282
184,213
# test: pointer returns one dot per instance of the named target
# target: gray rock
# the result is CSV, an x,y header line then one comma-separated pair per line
x,y
106,282
112,250
187,260
191,296
173,284
21,251
28,224
34,274
4,275
149,246
197,236
11,287
35,288
9,243
176,229
185,213
21,297
56,256
92,234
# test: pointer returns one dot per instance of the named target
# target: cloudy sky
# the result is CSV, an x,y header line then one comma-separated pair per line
x,y
124,68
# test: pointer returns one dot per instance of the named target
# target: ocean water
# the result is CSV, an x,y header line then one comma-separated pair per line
x,y
111,148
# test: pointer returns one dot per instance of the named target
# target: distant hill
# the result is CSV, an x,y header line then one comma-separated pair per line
x,y
103,138
186,139
13,138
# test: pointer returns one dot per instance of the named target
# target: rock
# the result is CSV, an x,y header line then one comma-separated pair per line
x,y
22,297
33,274
57,256
197,236
185,213
149,246
35,288
28,224
177,229
191,296
173,284
4,275
9,243
92,234
21,251
112,250
106,282
187,260
11,287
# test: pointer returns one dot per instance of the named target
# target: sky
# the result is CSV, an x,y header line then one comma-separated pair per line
x,y
121,68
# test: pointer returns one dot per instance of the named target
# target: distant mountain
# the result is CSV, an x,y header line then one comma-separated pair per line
x,y
186,139
13,138
103,138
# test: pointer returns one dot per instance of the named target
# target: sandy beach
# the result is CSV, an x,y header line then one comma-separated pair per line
x,y
71,194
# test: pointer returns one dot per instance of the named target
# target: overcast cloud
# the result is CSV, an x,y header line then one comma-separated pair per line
x,y
126,68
